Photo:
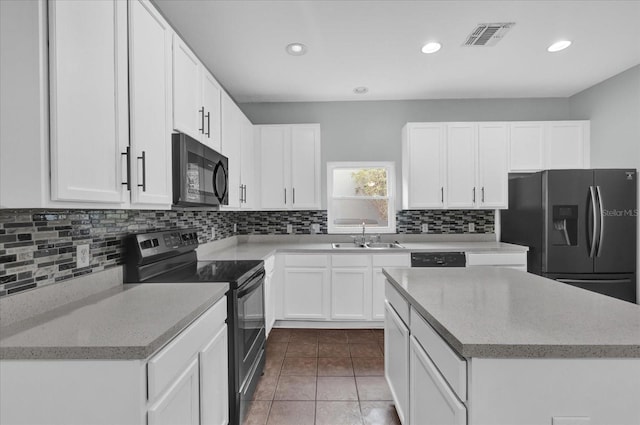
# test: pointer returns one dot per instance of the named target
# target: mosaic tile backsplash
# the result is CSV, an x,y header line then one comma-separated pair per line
x,y
37,247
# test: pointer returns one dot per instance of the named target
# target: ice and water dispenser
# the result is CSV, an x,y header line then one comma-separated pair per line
x,y
565,225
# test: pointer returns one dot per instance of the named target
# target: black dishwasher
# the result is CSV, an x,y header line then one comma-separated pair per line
x,y
438,259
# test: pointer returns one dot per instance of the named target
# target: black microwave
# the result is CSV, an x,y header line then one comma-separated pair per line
x,y
200,174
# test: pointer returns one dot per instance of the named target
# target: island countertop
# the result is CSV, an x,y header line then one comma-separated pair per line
x,y
492,312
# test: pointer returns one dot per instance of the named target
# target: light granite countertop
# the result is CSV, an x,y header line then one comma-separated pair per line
x,y
493,312
125,322
257,248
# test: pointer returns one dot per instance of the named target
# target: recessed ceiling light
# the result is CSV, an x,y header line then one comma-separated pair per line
x,y
360,90
296,49
559,45
431,47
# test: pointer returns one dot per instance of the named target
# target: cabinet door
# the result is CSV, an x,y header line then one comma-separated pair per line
x,y
377,297
461,189
273,182
231,147
432,402
150,103
526,146
423,165
306,293
211,102
305,166
188,113
566,145
180,404
396,362
214,381
351,293
88,100
493,174
247,173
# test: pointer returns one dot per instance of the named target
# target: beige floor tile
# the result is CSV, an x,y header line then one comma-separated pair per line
x,y
336,388
368,366
365,350
335,366
338,413
300,366
361,336
266,387
302,350
292,413
326,349
257,413
379,413
296,388
373,388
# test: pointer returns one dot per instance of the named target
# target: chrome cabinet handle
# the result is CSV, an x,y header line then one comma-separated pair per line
x,y
208,125
201,110
482,194
474,195
245,193
600,204
144,172
594,228
241,193
127,154
285,196
294,195
442,194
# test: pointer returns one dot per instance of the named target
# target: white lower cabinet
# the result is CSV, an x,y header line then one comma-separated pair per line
x,y
431,400
183,383
512,260
306,287
396,361
379,261
350,287
180,403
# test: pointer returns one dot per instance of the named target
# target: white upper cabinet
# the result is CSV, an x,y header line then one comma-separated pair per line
x,y
493,187
232,147
150,105
567,144
196,97
460,191
248,195
546,145
289,166
423,161
88,101
526,146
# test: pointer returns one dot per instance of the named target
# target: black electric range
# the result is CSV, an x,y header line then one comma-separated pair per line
x,y
169,256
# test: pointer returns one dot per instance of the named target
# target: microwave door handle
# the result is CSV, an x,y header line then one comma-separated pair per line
x,y
601,208
592,213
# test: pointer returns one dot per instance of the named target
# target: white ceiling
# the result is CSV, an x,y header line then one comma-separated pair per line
x,y
377,44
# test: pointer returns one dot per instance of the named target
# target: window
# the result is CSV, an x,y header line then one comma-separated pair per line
x,y
361,192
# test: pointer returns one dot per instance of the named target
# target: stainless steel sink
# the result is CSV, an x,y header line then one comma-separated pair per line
x,y
369,245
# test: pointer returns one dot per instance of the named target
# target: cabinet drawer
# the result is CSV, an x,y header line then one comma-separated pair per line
x,y
388,260
350,260
496,259
452,366
397,301
306,261
164,367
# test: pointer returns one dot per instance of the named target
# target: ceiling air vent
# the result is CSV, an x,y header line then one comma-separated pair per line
x,y
488,34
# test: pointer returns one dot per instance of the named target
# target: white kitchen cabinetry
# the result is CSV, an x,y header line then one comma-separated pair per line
x,y
289,166
396,361
423,165
232,148
306,287
248,187
460,190
431,400
150,38
88,101
379,261
196,97
493,185
270,291
185,382
543,145
513,260
350,287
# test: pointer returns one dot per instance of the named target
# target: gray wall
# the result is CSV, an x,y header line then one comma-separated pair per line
x,y
371,130
613,106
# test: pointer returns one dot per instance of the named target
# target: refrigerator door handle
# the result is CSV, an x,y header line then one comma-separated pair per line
x,y
594,230
601,223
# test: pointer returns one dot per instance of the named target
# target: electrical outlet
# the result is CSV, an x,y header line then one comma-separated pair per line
x,y
235,227
83,257
315,228
472,227
425,228
289,228
213,232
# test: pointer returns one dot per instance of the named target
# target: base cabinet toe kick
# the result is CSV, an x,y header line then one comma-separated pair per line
x,y
432,384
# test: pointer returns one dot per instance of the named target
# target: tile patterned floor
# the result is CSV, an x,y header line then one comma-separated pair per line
x,y
323,377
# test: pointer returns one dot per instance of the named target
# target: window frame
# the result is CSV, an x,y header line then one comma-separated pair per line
x,y
391,197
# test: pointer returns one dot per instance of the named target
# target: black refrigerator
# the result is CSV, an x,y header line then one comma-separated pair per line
x,y
580,227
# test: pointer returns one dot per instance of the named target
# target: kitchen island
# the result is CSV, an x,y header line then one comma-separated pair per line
x,y
499,346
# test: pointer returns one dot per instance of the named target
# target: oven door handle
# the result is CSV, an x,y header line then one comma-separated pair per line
x,y
255,283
